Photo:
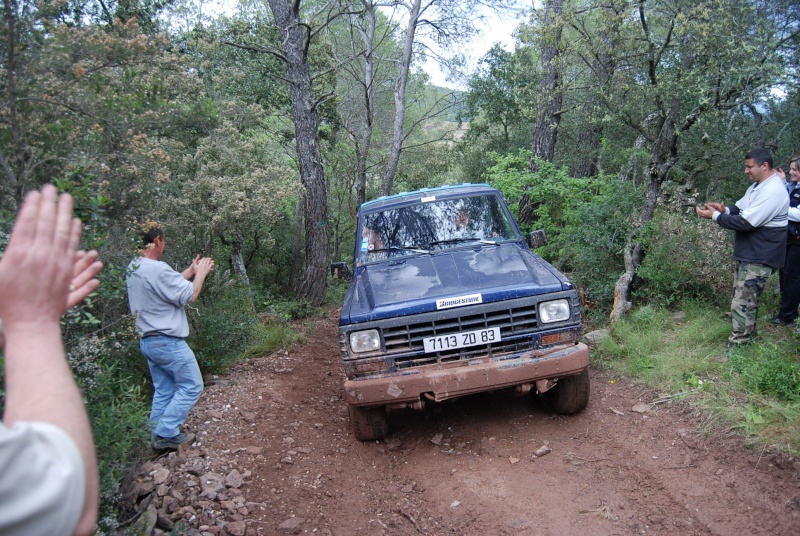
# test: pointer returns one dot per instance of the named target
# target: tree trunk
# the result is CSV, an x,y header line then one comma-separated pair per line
x,y
400,100
588,145
634,252
663,155
545,130
297,244
15,185
294,42
239,268
363,148
237,260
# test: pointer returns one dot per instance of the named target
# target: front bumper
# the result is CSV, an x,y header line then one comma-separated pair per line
x,y
450,380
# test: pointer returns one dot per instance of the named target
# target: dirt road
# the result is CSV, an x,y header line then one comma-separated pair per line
x,y
274,455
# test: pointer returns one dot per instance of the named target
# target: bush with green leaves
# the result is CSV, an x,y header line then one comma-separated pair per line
x,y
112,377
221,327
770,370
586,219
686,258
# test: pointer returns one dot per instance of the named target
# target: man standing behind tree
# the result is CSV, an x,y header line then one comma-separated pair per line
x,y
759,220
157,295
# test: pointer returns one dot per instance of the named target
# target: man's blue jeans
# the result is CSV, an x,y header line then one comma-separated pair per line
x,y
176,380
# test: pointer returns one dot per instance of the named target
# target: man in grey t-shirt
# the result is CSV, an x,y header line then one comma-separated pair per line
x,y
157,295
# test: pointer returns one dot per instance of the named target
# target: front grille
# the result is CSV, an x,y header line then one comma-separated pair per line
x,y
512,322
517,320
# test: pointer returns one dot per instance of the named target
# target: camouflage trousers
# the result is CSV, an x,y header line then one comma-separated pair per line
x,y
747,286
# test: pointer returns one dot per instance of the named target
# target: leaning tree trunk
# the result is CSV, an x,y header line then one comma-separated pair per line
x,y
663,155
294,41
634,251
545,130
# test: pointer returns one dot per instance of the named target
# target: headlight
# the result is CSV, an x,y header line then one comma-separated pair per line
x,y
365,341
554,311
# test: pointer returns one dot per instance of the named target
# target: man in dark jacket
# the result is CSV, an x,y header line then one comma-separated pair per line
x,y
759,220
790,273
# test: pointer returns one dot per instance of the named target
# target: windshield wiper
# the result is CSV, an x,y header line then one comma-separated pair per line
x,y
395,248
463,239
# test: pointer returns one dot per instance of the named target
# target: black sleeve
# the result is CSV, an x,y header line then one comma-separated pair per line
x,y
734,222
734,210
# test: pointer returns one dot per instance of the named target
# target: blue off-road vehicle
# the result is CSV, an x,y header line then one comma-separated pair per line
x,y
447,299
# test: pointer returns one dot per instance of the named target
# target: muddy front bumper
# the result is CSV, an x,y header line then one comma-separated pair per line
x,y
442,381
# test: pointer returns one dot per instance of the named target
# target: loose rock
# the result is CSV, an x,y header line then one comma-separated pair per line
x,y
211,483
234,479
235,528
292,525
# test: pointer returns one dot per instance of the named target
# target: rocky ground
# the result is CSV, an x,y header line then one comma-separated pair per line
x,y
274,455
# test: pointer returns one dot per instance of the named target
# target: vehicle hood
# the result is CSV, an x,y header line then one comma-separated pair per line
x,y
411,285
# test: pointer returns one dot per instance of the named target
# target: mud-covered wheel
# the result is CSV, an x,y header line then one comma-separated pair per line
x,y
369,423
571,393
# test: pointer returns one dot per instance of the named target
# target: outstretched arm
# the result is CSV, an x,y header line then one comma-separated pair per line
x,y
36,271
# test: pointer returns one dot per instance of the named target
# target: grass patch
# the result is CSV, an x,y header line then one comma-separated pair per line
x,y
756,393
273,335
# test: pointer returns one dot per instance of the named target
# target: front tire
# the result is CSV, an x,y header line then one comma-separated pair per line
x,y
571,393
368,423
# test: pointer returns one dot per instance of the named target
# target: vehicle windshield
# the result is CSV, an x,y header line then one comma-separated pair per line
x,y
433,226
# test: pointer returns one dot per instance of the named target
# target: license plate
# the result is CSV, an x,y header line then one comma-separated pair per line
x,y
464,339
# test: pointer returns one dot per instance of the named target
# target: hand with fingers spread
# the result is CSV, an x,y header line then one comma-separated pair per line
x,y
38,264
47,455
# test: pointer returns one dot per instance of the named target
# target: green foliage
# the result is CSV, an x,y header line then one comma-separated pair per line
x,y
586,220
113,379
221,329
770,370
683,259
290,310
276,334
756,391
337,288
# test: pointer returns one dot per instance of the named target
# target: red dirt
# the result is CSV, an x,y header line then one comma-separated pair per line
x,y
607,474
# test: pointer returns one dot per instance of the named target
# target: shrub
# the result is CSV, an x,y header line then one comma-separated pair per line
x,y
221,327
686,257
769,370
586,219
108,370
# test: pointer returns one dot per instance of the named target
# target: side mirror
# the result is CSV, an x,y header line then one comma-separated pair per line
x,y
340,270
537,239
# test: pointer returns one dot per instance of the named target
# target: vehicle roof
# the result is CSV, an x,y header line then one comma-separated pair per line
x,y
443,192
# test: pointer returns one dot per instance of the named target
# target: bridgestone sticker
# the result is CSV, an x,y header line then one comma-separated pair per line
x,y
459,301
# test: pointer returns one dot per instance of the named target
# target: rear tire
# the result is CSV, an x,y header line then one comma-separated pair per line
x,y
571,393
369,423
